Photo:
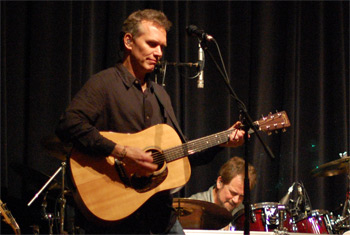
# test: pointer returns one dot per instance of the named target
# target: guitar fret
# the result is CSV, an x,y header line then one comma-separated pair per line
x,y
195,146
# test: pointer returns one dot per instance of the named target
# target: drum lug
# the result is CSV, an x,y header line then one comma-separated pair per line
x,y
253,216
294,225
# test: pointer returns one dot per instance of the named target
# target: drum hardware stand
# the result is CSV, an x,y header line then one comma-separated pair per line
x,y
345,220
281,212
247,125
346,209
47,216
35,229
62,199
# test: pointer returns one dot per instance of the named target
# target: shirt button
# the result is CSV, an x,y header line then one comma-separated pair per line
x,y
147,117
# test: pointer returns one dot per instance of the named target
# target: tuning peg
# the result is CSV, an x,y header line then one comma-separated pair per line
x,y
276,131
284,130
269,133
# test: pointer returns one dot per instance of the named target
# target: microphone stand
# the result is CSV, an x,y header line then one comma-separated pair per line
x,y
248,124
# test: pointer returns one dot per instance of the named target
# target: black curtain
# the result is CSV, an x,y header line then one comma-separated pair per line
x,y
291,56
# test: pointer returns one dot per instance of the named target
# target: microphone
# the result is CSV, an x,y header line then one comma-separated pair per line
x,y
300,191
300,204
176,64
285,199
305,200
193,30
200,82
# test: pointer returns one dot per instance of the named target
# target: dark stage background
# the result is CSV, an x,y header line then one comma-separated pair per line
x,y
291,56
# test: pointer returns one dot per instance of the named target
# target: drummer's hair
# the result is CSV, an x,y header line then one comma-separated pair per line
x,y
235,166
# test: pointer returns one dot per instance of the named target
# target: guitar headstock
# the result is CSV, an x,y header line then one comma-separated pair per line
x,y
8,218
4,212
273,122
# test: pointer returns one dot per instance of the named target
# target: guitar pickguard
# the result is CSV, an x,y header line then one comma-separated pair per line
x,y
144,184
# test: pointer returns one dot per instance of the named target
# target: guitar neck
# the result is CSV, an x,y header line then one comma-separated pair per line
x,y
271,122
8,218
196,146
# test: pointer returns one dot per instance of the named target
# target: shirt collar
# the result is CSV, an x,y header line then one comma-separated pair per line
x,y
128,79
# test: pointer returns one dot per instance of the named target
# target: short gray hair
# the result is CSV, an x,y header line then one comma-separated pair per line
x,y
131,24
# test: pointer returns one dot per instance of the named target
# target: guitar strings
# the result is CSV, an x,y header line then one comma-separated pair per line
x,y
198,145
190,147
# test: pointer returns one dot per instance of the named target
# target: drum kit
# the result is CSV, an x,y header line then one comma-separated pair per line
x,y
284,216
51,185
197,214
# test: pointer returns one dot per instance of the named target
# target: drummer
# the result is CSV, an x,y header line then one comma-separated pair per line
x,y
228,192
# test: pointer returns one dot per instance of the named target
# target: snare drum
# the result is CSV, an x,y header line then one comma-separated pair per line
x,y
317,221
265,216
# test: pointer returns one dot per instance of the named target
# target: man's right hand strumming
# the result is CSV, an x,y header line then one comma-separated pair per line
x,y
135,159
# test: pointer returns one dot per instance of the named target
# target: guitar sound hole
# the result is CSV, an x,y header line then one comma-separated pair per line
x,y
144,184
158,158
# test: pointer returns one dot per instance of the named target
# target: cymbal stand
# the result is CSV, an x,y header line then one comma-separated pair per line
x,y
346,209
344,221
50,217
62,199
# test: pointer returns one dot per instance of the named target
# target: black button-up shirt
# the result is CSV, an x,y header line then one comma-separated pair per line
x,y
111,100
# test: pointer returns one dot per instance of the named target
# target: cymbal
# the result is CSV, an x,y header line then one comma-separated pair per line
x,y
336,167
35,176
56,147
197,214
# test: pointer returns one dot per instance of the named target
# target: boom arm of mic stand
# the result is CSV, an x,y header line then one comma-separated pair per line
x,y
181,64
242,108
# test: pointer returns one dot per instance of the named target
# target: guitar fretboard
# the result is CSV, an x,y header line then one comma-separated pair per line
x,y
192,147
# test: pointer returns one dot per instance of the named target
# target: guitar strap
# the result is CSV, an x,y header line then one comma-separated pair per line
x,y
170,113
168,109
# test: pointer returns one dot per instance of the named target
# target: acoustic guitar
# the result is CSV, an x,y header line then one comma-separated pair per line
x,y
101,194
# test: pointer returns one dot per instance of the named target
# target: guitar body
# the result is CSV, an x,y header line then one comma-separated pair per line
x,y
101,194
105,197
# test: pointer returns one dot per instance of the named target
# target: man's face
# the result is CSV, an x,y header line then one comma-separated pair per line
x,y
147,47
232,194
